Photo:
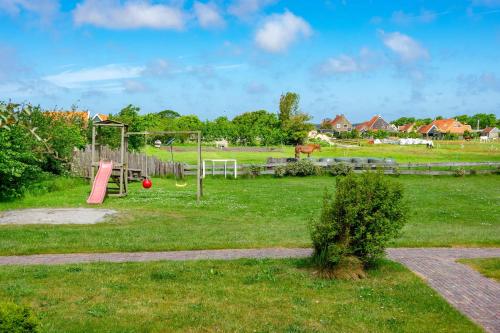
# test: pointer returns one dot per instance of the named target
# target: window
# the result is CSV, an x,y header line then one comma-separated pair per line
x,y
338,125
345,125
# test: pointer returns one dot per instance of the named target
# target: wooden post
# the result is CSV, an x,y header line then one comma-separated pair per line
x,y
122,158
199,192
92,155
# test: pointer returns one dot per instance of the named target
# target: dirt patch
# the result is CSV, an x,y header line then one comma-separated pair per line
x,y
55,216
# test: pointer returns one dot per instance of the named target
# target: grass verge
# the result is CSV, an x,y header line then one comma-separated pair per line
x,y
489,267
227,296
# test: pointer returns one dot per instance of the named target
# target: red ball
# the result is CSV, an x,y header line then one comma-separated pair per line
x,y
146,183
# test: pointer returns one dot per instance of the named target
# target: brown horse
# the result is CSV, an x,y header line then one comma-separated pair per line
x,y
306,149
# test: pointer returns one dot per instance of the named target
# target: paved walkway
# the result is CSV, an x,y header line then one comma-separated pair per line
x,y
472,294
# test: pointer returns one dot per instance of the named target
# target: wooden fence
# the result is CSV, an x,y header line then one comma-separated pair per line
x,y
139,164
434,169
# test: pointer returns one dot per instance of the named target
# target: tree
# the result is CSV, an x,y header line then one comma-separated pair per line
x,y
403,120
257,127
168,114
293,122
289,105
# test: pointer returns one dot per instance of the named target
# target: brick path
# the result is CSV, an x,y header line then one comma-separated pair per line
x,y
472,294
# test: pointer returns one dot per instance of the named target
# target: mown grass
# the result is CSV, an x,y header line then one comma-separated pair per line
x,y
248,213
232,296
489,267
445,151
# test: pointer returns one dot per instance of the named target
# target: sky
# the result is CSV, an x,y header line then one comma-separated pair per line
x,y
224,57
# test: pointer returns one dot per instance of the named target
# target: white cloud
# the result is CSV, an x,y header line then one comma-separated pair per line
x,y
245,8
279,31
45,9
255,88
340,64
81,77
408,49
133,14
134,86
344,64
478,83
402,18
208,15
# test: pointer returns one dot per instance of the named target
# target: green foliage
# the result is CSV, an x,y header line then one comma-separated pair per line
x,y
293,122
460,172
340,169
254,170
280,171
302,168
31,143
17,319
366,212
19,165
258,127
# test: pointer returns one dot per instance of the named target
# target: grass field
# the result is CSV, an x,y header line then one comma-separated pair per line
x,y
445,151
489,267
247,213
233,296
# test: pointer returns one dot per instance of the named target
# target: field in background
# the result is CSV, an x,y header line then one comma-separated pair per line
x,y
445,151
246,213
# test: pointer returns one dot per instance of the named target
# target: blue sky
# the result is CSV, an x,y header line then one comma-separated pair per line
x,y
212,58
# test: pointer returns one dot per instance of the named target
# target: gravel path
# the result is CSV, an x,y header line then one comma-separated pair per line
x,y
472,294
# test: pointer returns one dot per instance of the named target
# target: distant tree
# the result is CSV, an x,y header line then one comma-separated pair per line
x,y
439,118
168,114
326,124
293,122
257,127
423,121
403,120
289,106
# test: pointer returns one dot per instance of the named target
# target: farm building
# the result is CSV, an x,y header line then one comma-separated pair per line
x,y
376,123
490,132
406,128
341,124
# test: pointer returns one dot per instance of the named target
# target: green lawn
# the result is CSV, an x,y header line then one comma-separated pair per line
x,y
247,213
489,267
445,151
232,296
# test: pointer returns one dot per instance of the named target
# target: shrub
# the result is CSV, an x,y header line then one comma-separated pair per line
x,y
302,168
280,171
460,172
365,214
340,169
254,170
17,319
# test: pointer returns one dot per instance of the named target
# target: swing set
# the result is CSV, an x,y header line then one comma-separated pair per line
x,y
118,170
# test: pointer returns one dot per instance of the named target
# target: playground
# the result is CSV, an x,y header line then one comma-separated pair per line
x,y
124,215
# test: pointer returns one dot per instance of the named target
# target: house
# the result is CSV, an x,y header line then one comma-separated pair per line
x,y
429,130
452,126
99,117
376,123
490,132
340,124
406,128
440,127
84,116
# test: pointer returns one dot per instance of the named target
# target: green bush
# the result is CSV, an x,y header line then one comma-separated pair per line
x,y
340,169
254,170
302,168
17,319
366,212
460,172
280,171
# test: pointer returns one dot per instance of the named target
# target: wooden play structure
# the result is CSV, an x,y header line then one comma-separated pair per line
x,y
104,173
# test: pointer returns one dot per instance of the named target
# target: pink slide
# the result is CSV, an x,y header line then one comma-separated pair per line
x,y
100,183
